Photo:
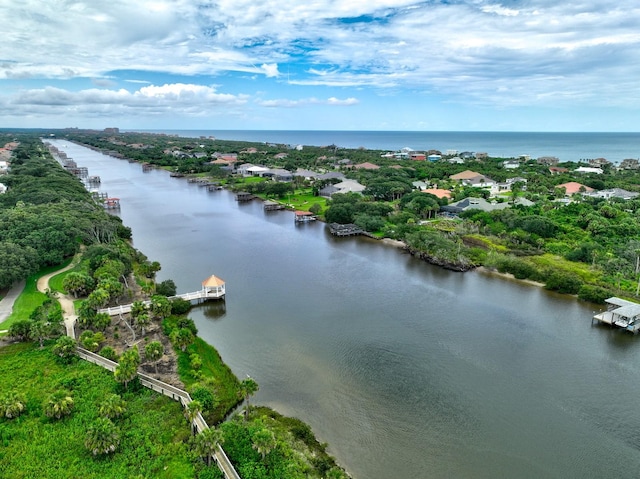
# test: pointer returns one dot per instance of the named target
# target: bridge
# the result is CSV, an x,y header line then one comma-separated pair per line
x,y
212,288
174,393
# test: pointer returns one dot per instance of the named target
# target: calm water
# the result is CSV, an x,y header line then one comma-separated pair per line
x,y
406,370
566,146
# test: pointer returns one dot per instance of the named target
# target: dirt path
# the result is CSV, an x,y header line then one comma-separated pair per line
x,y
66,301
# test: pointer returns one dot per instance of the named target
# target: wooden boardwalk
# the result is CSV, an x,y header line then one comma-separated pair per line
x,y
174,393
195,295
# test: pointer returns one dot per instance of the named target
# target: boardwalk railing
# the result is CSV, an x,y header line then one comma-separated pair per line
x,y
174,393
202,294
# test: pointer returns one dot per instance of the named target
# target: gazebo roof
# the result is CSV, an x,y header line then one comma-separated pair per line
x,y
212,281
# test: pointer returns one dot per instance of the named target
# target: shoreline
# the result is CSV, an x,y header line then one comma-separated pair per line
x,y
509,276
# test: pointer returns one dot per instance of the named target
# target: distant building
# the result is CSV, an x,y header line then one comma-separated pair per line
x,y
573,187
613,193
548,161
439,193
511,164
630,164
366,166
587,169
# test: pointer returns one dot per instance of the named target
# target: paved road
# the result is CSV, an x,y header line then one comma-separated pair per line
x,y
6,303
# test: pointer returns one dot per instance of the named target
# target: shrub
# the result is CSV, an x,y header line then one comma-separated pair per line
x,y
166,288
180,306
563,282
109,353
593,294
205,397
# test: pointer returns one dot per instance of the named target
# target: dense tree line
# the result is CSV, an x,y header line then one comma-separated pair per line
x,y
46,215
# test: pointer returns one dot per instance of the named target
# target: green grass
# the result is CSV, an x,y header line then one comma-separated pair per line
x,y
304,199
153,431
213,369
26,303
55,283
553,262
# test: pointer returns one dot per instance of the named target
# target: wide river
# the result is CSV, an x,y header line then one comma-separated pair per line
x,y
406,370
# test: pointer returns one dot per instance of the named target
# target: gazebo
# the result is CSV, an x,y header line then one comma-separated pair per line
x,y
213,287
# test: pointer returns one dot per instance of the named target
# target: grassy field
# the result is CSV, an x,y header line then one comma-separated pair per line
x,y
224,382
34,446
30,298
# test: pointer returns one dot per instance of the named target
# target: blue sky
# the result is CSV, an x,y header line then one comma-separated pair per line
x,y
461,65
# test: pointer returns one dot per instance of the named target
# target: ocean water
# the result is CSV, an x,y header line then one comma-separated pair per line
x,y
614,147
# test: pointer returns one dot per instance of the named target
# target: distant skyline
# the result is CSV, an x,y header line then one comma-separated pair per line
x,y
434,65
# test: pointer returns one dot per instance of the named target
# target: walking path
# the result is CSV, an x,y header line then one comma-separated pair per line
x,y
6,303
66,302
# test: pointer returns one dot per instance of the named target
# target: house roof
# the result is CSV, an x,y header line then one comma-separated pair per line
x,y
347,186
438,192
573,187
367,166
212,281
465,175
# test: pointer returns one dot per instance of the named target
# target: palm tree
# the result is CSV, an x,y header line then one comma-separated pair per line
x,y
143,320
59,404
160,307
154,352
113,406
191,412
12,404
182,338
206,443
127,368
264,441
103,437
65,348
248,387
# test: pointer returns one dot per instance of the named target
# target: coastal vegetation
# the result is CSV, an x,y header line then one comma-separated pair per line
x,y
158,338
63,431
575,244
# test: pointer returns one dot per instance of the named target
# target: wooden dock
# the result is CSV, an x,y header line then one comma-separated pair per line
x,y
337,229
621,314
212,288
272,206
244,196
304,217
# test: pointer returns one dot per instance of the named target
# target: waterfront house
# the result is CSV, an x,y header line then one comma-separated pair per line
x,y
346,186
241,169
279,174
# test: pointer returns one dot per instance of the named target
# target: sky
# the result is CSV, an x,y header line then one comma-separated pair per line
x,y
435,65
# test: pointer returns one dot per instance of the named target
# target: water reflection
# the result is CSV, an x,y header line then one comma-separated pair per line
x,y
406,370
212,309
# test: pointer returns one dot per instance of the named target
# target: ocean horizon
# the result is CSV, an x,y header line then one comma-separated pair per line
x,y
567,146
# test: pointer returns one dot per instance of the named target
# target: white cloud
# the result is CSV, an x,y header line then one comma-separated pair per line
x,y
170,99
286,103
539,52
